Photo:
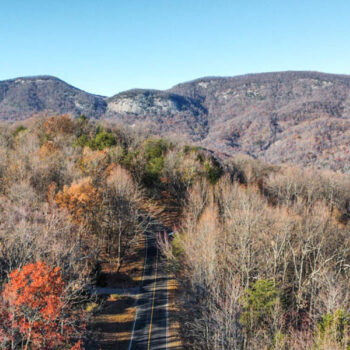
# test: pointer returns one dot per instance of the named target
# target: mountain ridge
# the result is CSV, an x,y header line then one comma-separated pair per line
x,y
47,77
293,116
22,97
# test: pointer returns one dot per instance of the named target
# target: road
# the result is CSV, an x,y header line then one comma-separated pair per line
x,y
150,329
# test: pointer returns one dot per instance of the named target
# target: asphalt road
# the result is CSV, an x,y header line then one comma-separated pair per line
x,y
150,329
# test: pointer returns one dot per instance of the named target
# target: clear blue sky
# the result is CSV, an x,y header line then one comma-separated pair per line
x,y
106,46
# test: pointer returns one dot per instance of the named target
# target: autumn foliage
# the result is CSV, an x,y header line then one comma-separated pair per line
x,y
59,124
47,149
34,309
81,199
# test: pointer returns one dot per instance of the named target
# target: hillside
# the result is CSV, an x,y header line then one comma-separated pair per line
x,y
298,117
22,97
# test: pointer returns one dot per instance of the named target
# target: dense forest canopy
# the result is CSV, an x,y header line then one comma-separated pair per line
x,y
261,252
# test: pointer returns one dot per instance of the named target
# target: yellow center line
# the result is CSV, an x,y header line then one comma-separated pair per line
x,y
154,297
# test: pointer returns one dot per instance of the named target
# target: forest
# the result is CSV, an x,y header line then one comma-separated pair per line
x,y
260,252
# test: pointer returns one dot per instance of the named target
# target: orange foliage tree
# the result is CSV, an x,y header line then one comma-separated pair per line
x,y
81,199
34,310
63,124
47,149
93,162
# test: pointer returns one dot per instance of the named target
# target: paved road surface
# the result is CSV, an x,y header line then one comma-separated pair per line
x,y
151,321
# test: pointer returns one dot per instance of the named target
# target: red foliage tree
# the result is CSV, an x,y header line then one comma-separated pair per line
x,y
34,311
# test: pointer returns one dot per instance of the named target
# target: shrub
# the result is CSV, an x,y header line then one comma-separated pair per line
x,y
213,171
156,148
188,149
333,330
18,130
82,118
81,141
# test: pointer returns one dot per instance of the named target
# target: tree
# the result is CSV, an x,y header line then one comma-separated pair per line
x,y
123,219
259,304
81,200
155,150
103,139
35,313
62,124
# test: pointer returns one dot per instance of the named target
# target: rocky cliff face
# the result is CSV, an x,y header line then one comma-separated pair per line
x,y
301,117
162,112
143,102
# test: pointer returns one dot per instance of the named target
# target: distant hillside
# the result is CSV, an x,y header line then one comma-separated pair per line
x,y
22,97
299,117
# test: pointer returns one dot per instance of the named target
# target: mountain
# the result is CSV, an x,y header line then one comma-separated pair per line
x,y
162,112
298,117
22,97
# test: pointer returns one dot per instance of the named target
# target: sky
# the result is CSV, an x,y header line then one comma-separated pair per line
x,y
107,46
